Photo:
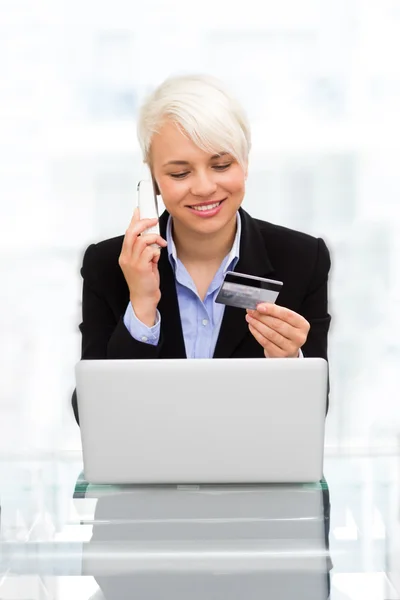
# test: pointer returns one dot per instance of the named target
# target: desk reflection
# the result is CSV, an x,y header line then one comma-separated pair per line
x,y
214,542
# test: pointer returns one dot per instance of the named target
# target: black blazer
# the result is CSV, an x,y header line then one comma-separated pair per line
x,y
301,261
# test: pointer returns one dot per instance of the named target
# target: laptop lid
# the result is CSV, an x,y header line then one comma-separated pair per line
x,y
202,421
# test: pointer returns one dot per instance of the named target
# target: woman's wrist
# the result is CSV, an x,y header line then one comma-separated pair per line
x,y
145,312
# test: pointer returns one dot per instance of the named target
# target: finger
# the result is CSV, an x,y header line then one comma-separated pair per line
x,y
144,241
149,254
136,215
287,331
273,336
152,238
297,335
135,218
281,312
140,226
136,227
270,348
127,245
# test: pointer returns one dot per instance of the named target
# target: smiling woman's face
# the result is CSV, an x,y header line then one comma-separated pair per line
x,y
201,191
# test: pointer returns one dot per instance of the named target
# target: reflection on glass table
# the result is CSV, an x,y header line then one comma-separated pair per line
x,y
211,542
61,537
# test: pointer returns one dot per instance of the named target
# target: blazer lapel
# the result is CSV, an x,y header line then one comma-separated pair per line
x,y
171,326
253,260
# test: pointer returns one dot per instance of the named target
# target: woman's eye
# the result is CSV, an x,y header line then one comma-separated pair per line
x,y
179,175
215,167
222,167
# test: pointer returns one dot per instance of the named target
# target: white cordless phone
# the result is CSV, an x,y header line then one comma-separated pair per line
x,y
147,203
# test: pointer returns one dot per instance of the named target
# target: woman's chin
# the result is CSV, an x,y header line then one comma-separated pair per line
x,y
209,226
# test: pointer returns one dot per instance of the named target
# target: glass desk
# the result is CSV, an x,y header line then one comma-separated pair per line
x,y
62,538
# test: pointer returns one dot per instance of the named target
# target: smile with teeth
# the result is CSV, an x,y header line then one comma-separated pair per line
x,y
202,207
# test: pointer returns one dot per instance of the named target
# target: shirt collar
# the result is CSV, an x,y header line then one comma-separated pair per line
x,y
229,261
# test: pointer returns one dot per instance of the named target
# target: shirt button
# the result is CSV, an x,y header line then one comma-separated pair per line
x,y
205,322
144,338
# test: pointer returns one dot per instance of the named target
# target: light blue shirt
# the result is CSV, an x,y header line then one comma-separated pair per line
x,y
201,321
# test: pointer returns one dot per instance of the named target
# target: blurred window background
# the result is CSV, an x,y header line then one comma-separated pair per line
x,y
321,84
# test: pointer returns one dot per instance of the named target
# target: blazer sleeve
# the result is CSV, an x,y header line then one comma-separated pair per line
x,y
104,334
315,309
315,305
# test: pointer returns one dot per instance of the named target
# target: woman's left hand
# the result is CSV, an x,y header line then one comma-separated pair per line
x,y
280,331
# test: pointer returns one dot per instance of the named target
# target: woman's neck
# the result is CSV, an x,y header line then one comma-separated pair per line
x,y
195,248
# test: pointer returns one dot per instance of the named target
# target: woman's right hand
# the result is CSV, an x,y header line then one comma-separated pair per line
x,y
139,263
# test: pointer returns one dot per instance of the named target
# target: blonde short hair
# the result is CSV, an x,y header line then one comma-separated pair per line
x,y
203,109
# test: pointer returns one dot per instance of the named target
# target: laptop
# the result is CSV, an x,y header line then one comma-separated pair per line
x,y
193,421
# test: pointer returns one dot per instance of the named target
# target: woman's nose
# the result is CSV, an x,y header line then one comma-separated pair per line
x,y
203,185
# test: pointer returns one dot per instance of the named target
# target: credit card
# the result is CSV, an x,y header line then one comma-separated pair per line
x,y
247,291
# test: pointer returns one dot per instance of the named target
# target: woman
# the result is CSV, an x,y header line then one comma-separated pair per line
x,y
144,301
